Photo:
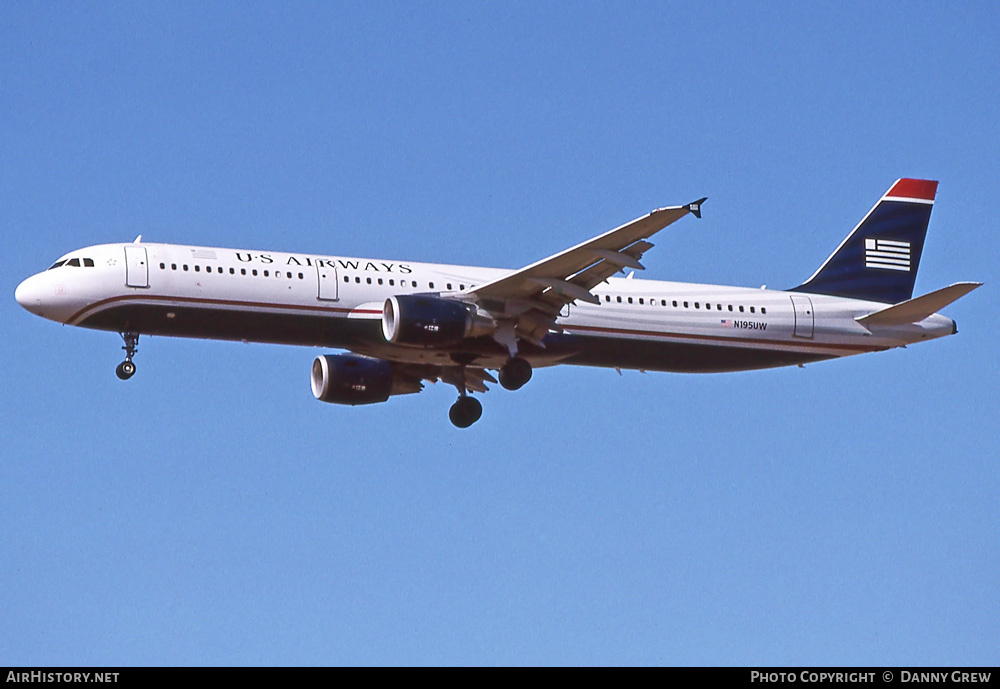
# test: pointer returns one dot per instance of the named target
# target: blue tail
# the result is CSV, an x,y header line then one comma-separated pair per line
x,y
879,259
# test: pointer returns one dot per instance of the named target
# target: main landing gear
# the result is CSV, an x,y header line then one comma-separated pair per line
x,y
467,410
515,373
126,369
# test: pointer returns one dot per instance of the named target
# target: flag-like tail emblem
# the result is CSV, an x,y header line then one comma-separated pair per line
x,y
887,254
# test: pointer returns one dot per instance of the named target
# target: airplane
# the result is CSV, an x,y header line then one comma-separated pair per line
x,y
404,323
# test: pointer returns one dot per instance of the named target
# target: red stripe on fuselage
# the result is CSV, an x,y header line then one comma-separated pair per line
x,y
723,339
803,344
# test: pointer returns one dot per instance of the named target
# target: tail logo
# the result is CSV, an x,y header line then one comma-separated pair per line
x,y
887,254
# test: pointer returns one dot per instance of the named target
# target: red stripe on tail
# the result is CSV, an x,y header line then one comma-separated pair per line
x,y
914,189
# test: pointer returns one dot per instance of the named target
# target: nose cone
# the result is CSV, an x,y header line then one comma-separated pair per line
x,y
28,294
39,295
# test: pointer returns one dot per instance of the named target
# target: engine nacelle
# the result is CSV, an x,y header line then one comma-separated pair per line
x,y
419,321
351,379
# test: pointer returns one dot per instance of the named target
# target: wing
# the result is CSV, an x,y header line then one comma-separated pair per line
x,y
527,302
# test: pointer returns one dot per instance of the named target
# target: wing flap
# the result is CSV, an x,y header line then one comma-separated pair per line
x,y
475,378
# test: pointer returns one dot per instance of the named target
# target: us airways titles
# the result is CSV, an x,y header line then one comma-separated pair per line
x,y
378,267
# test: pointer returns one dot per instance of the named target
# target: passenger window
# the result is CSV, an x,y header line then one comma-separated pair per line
x,y
674,302
267,273
163,266
255,272
641,301
751,309
630,300
685,305
619,300
300,276
197,269
718,307
763,310
369,281
232,271
357,280
696,305
185,266
730,307
392,283
432,285
379,280
449,285
741,309
347,279
173,266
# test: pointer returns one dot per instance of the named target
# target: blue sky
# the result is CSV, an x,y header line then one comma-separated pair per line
x,y
210,511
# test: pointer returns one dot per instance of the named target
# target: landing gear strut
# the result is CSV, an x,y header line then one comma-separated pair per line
x,y
126,369
467,410
515,373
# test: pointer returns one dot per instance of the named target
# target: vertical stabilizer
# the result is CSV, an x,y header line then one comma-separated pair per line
x,y
879,259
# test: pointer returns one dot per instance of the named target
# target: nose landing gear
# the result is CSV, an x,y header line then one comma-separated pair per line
x,y
126,369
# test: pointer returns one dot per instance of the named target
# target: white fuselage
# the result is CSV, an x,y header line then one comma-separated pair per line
x,y
325,301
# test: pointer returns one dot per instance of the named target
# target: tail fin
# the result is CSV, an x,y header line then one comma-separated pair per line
x,y
879,259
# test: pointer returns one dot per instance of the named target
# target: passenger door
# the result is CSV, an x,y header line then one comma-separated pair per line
x,y
328,285
804,316
136,267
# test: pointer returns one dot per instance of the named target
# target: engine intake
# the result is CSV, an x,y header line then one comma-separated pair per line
x,y
351,379
418,321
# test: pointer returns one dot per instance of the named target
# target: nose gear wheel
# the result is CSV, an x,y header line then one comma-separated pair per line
x,y
126,369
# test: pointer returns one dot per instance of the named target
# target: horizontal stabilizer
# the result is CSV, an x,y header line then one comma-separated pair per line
x,y
916,310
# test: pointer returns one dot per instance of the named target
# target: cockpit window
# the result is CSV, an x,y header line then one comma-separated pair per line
x,y
73,262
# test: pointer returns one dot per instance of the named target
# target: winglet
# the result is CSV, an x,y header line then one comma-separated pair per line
x,y
695,208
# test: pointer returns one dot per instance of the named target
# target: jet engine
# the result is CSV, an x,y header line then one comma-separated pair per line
x,y
352,379
419,321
